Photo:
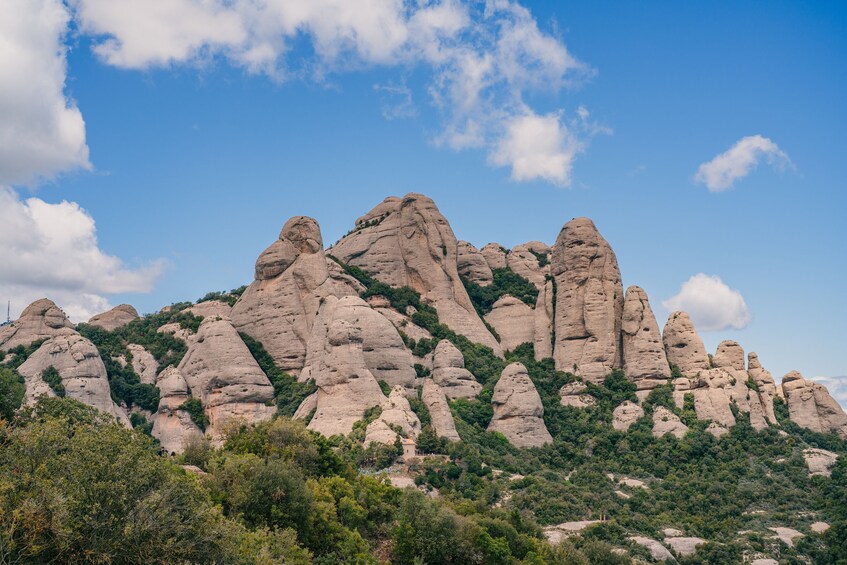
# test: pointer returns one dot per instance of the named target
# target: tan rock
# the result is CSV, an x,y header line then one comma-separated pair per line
x,y
811,406
472,265
666,422
40,320
574,395
786,535
222,374
716,430
177,331
683,346
589,302
439,412
819,527
80,368
171,426
819,461
409,243
115,318
729,355
450,374
522,260
513,320
657,551
625,415
143,363
644,357
396,414
495,255
210,309
404,324
518,412
543,333
684,546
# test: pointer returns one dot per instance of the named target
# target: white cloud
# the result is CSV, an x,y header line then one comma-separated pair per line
x,y
837,387
51,250
42,133
396,101
711,304
720,173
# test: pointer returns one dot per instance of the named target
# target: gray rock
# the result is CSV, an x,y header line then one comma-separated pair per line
x,y
472,264
495,255
819,461
396,414
450,374
522,260
115,318
666,422
543,334
143,363
518,412
40,320
644,357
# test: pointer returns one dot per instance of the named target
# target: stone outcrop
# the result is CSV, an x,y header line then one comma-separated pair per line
x,y
768,390
439,412
589,302
176,330
819,461
524,260
143,363
396,415
625,415
666,422
574,395
210,309
543,323
404,324
448,372
717,430
407,242
657,551
495,255
171,426
518,412
221,372
513,320
40,320
117,317
644,359
729,358
811,406
472,264
683,346
81,370
293,276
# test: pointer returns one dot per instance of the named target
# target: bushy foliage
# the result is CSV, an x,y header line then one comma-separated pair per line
x,y
12,391
51,376
194,408
506,281
230,297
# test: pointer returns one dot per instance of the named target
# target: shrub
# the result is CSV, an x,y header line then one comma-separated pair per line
x,y
194,408
51,376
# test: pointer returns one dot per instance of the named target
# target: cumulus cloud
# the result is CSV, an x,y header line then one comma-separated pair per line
x,y
720,173
837,387
42,133
483,58
711,304
51,250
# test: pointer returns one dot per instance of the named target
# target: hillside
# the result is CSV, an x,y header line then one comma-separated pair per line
x,y
402,396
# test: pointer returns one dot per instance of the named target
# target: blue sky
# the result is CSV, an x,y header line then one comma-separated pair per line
x,y
196,156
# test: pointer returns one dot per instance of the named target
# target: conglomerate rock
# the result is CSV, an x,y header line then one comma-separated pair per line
x,y
644,360
115,318
40,320
518,412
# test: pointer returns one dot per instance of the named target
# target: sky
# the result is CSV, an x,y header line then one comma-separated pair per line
x,y
151,149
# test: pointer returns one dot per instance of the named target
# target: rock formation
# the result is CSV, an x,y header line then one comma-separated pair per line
x,y
396,414
518,412
666,422
171,426
222,374
40,320
210,308
811,406
625,415
524,260
143,363
543,323
472,264
589,302
439,412
495,255
574,395
644,359
292,277
115,318
683,346
450,374
407,242
513,320
819,461
82,373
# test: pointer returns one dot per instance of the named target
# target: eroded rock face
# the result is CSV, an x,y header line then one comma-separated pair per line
x,y
819,461
525,260
729,355
513,320
811,406
396,413
221,372
589,302
495,255
439,412
644,359
115,318
666,422
625,415
40,320
574,395
80,368
543,322
448,372
407,242
143,363
518,412
683,346
292,277
210,309
171,426
472,264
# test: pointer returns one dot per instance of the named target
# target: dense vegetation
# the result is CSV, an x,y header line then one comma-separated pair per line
x,y
506,281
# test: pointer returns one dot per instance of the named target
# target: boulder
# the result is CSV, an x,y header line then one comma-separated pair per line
x,y
644,359
786,535
524,260
730,355
513,320
574,395
221,372
589,302
472,265
683,346
407,242
115,318
518,412
684,546
143,363
819,461
40,320
439,412
171,426
811,406
293,276
448,372
819,527
657,551
210,309
666,422
82,372
543,322
396,414
495,255
716,430
625,415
